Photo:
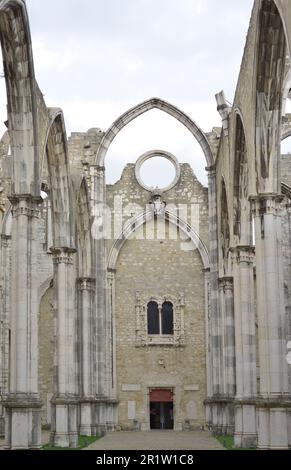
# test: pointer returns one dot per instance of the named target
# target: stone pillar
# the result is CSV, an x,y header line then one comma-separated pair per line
x,y
23,405
97,199
86,287
208,340
65,401
4,325
272,419
226,285
110,335
245,347
215,324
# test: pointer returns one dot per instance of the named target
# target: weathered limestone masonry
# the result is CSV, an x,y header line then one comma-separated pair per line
x,y
156,262
257,214
123,306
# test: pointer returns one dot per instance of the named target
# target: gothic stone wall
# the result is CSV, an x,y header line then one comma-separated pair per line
x,y
156,268
46,352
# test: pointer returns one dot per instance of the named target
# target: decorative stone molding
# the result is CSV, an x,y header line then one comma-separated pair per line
x,y
152,154
266,204
99,171
244,254
63,255
25,204
86,284
142,337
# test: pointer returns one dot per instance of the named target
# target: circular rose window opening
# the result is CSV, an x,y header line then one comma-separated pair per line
x,y
157,170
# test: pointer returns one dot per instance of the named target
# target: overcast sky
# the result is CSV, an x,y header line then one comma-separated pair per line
x,y
97,58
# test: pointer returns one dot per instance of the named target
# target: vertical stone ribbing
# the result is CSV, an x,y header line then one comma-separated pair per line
x,y
215,324
86,289
99,234
245,347
23,406
4,324
227,306
65,401
272,428
110,334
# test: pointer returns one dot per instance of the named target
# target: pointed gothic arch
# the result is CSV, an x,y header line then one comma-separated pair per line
x,y
224,226
153,103
241,205
134,224
83,236
21,95
271,56
60,183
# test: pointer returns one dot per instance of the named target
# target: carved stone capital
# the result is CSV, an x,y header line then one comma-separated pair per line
x,y
86,284
63,255
264,204
25,205
211,171
97,171
226,283
243,254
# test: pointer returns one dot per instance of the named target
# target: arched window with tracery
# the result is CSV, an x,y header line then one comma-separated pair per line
x,y
160,318
167,318
153,318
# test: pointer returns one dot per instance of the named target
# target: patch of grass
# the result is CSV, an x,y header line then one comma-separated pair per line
x,y
83,441
228,443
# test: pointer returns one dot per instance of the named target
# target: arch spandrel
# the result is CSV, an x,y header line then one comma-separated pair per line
x,y
153,103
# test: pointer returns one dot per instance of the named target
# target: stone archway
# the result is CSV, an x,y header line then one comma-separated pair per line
x,y
271,55
21,95
153,103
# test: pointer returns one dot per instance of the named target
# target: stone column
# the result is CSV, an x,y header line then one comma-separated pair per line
x,y
245,347
86,287
272,419
65,401
4,325
97,176
226,284
23,405
215,324
110,335
208,339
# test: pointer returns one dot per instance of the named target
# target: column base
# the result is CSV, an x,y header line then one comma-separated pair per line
x,y
245,435
106,416
23,422
87,423
273,429
64,424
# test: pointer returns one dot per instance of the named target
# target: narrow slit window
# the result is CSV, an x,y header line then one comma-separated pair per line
x,y
153,319
167,318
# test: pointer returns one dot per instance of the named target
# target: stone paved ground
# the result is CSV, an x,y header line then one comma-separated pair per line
x,y
157,440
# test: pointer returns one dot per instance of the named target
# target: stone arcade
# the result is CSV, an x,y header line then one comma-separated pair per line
x,y
121,309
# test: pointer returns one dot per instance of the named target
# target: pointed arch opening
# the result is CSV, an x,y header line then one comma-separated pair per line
x,y
224,227
271,57
21,95
59,181
241,205
83,236
153,103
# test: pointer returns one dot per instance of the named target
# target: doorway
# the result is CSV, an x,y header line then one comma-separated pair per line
x,y
161,409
